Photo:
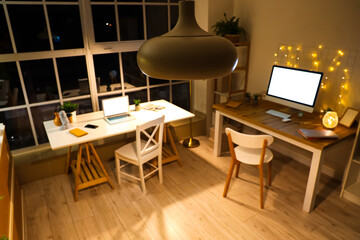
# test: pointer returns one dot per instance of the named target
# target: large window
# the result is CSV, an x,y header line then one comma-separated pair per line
x,y
84,51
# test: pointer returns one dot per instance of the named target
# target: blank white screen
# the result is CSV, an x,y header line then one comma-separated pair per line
x,y
115,106
294,85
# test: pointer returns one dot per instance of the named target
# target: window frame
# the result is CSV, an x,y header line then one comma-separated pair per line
x,y
90,49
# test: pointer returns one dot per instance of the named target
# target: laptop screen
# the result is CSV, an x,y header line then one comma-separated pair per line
x,y
114,106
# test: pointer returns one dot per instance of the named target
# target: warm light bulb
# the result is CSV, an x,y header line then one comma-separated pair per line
x,y
342,77
338,63
314,55
316,63
341,53
326,77
297,58
282,48
289,48
345,70
320,46
275,63
275,54
295,66
340,96
330,120
298,49
331,69
285,55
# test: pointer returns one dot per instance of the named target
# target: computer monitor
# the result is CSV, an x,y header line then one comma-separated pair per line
x,y
293,87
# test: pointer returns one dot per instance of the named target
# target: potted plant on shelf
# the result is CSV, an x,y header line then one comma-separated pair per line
x,y
137,104
230,29
70,109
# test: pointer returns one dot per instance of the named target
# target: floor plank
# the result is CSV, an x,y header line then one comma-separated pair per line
x,y
189,204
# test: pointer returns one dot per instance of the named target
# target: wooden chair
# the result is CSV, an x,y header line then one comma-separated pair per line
x,y
252,150
142,151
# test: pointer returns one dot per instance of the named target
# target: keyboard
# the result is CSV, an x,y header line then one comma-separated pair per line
x,y
119,119
278,114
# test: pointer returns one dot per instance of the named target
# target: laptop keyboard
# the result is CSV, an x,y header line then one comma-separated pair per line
x,y
118,119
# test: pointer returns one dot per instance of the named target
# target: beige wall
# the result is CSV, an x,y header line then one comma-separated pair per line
x,y
333,23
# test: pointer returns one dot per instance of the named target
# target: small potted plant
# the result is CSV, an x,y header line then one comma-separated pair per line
x,y
137,104
255,100
247,97
230,29
70,109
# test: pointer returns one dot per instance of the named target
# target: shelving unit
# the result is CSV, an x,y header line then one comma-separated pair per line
x,y
227,88
351,183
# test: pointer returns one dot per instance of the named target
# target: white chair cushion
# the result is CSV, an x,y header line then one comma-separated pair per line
x,y
129,151
252,155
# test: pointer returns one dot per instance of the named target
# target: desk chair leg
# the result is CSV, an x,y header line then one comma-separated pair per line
x,y
142,180
228,179
269,172
237,169
77,174
117,164
92,150
160,169
68,159
261,183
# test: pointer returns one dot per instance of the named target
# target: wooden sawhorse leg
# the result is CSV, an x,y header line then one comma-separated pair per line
x,y
89,171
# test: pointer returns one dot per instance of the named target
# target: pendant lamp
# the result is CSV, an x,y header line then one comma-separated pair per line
x,y
187,52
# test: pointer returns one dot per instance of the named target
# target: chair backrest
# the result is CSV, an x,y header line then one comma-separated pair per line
x,y
152,132
249,141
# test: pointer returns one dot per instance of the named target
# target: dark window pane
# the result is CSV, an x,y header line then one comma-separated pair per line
x,y
39,80
5,42
129,0
29,27
73,76
154,81
107,69
133,77
61,0
180,95
131,22
41,114
142,95
156,20
174,13
18,129
65,26
155,0
85,106
160,93
104,23
11,93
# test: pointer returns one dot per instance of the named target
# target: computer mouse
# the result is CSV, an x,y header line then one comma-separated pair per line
x,y
286,120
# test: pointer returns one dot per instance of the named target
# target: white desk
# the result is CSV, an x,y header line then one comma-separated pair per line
x,y
255,117
60,139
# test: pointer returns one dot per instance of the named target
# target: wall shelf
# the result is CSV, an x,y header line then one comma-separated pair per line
x,y
351,183
229,86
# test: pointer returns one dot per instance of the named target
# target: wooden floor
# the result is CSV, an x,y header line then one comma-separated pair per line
x,y
189,205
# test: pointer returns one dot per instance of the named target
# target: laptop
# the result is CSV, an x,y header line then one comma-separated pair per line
x,y
116,110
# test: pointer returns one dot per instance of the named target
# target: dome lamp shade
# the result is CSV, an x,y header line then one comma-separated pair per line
x,y
187,52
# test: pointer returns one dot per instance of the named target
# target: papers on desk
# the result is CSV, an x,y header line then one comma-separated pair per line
x,y
152,107
315,134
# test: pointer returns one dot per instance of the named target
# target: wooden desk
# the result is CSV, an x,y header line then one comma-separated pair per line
x,y
255,117
88,170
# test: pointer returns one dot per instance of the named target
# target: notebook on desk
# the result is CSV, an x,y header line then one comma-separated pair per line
x,y
316,134
116,110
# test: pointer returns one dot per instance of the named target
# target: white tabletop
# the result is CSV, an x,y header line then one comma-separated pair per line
x,y
62,138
